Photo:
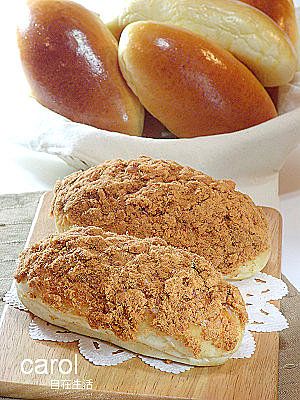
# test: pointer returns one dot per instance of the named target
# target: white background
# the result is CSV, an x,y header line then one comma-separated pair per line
x,y
22,170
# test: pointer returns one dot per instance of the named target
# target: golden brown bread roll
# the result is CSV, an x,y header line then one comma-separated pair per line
x,y
282,12
70,60
190,85
139,294
249,34
185,207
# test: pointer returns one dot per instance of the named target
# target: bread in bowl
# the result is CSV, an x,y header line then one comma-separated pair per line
x,y
249,34
189,84
188,209
70,59
139,294
282,12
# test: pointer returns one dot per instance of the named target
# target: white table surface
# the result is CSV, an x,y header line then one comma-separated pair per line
x,y
23,170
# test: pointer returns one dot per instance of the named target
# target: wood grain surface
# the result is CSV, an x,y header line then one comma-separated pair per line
x,y
256,378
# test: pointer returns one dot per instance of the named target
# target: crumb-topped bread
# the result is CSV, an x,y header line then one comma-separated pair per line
x,y
141,294
185,207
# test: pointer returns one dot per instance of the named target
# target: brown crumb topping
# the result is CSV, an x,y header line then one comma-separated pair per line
x,y
185,207
118,282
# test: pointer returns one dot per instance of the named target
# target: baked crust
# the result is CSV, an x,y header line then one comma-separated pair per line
x,y
246,32
131,289
185,207
282,12
193,95
70,59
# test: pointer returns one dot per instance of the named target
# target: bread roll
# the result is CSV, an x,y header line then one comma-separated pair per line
x,y
190,85
243,30
70,59
188,209
282,12
139,294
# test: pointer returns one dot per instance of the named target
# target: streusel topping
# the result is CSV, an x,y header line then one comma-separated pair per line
x,y
185,207
117,282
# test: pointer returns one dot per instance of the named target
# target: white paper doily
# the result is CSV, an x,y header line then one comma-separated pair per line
x,y
257,292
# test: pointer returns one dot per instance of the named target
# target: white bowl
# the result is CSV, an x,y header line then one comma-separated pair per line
x,y
252,157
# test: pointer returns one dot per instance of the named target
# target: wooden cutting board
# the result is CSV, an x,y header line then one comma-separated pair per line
x,y
256,378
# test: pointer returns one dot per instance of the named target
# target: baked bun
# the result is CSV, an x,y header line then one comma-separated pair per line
x,y
188,209
192,86
249,34
282,12
70,59
139,294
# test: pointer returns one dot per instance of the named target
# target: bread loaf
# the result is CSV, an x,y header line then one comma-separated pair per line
x,y
190,85
70,59
251,35
185,207
282,12
139,294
